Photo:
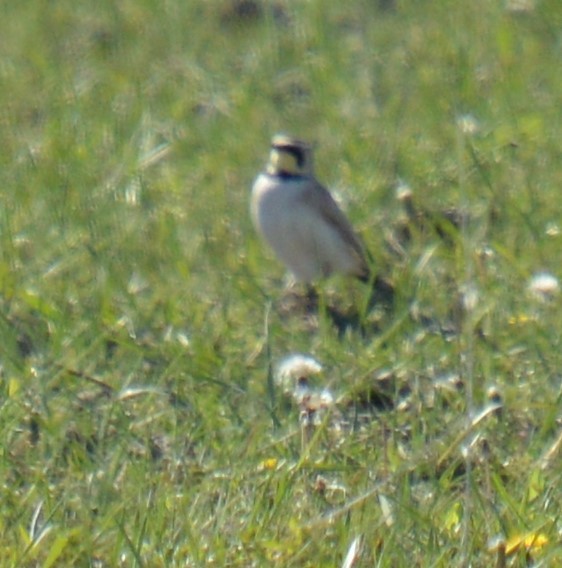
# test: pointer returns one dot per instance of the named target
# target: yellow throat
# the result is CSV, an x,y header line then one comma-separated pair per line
x,y
289,156
283,162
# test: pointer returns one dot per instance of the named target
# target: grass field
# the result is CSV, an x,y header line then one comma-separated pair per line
x,y
142,321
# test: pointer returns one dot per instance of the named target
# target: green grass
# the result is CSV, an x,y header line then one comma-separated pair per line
x,y
140,315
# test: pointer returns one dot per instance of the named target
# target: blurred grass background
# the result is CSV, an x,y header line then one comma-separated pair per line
x,y
139,319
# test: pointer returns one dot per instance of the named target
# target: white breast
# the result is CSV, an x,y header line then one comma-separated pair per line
x,y
298,234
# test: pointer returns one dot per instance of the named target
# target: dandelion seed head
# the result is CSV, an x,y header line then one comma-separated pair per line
x,y
298,366
468,124
295,369
403,191
544,286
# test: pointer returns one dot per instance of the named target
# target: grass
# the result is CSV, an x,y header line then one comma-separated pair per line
x,y
140,315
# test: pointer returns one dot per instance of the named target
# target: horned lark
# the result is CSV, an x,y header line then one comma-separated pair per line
x,y
304,226
299,219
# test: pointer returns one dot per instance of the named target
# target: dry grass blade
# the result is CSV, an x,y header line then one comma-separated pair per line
x,y
353,553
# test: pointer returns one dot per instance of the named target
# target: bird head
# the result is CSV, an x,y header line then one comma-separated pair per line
x,y
289,156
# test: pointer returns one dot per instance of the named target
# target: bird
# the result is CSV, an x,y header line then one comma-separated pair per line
x,y
302,223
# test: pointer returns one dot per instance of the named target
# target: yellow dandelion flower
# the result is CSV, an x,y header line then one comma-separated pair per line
x,y
529,541
269,464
